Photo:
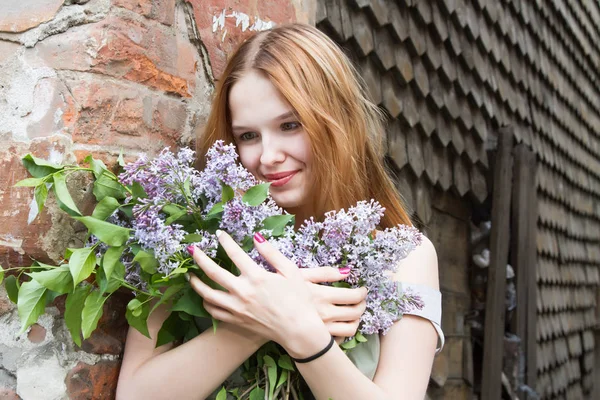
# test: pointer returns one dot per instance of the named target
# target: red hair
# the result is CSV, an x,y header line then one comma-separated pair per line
x,y
343,126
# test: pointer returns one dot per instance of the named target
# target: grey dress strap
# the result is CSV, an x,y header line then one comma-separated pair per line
x,y
366,355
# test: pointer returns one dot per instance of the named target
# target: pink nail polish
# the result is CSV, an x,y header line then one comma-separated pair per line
x,y
190,250
259,238
344,270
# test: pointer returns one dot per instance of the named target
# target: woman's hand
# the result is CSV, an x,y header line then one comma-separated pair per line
x,y
276,306
339,308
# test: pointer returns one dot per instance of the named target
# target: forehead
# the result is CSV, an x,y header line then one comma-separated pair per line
x,y
254,99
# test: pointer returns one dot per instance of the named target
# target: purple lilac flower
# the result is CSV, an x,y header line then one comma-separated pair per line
x,y
350,238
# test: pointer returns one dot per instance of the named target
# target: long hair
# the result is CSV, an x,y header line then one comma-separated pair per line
x,y
343,126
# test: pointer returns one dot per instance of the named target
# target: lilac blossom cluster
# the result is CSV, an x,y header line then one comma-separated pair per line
x,y
172,179
350,238
342,238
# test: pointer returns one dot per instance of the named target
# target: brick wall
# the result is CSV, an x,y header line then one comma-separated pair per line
x,y
97,76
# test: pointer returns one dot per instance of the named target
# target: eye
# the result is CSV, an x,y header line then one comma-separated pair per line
x,y
247,136
290,126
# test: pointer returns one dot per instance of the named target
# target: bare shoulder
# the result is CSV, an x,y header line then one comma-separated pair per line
x,y
420,266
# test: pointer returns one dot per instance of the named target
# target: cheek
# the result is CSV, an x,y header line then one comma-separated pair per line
x,y
249,159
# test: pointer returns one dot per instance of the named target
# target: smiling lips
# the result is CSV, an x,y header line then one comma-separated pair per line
x,y
280,178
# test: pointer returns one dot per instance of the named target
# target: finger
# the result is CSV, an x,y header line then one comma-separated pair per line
x,y
219,275
210,295
324,274
239,257
219,313
347,313
342,329
342,296
274,257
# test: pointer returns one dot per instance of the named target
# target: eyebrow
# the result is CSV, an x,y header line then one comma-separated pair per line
x,y
281,117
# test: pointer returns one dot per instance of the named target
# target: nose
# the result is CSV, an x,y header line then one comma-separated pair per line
x,y
272,150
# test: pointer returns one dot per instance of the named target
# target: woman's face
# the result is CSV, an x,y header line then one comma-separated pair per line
x,y
271,141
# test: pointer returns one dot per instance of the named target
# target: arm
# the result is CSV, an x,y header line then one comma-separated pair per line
x,y
191,371
407,350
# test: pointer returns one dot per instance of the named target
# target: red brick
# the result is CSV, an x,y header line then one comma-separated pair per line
x,y
93,382
121,115
23,15
161,10
6,305
146,53
278,11
37,333
109,336
8,394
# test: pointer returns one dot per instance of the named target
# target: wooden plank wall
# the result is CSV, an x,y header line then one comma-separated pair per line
x,y
450,73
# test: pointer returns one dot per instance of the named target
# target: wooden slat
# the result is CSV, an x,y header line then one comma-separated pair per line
x,y
523,239
491,387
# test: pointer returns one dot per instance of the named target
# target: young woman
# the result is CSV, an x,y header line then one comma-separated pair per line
x,y
296,110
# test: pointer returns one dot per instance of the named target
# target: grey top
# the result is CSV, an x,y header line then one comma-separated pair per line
x,y
366,355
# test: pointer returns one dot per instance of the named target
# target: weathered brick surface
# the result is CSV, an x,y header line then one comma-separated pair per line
x,y
100,76
18,16
93,382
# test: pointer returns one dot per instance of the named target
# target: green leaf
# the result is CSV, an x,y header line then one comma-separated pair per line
x,y
227,193
175,217
82,263
58,279
110,259
1,274
192,331
285,362
73,309
257,394
341,285
271,373
172,209
39,168
121,160
138,191
349,344
12,288
282,378
192,238
29,182
41,194
139,322
105,208
146,261
106,185
256,194
109,285
31,303
170,292
360,338
98,167
62,193
222,395
91,313
191,303
217,208
277,223
111,234
172,329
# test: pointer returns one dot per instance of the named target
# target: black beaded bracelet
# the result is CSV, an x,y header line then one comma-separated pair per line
x,y
315,356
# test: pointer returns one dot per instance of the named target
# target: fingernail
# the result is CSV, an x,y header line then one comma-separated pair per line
x,y
344,270
187,276
259,238
218,232
190,249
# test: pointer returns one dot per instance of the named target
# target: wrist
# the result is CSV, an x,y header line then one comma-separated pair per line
x,y
307,341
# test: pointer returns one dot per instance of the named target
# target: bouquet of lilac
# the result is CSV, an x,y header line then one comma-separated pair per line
x,y
146,217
